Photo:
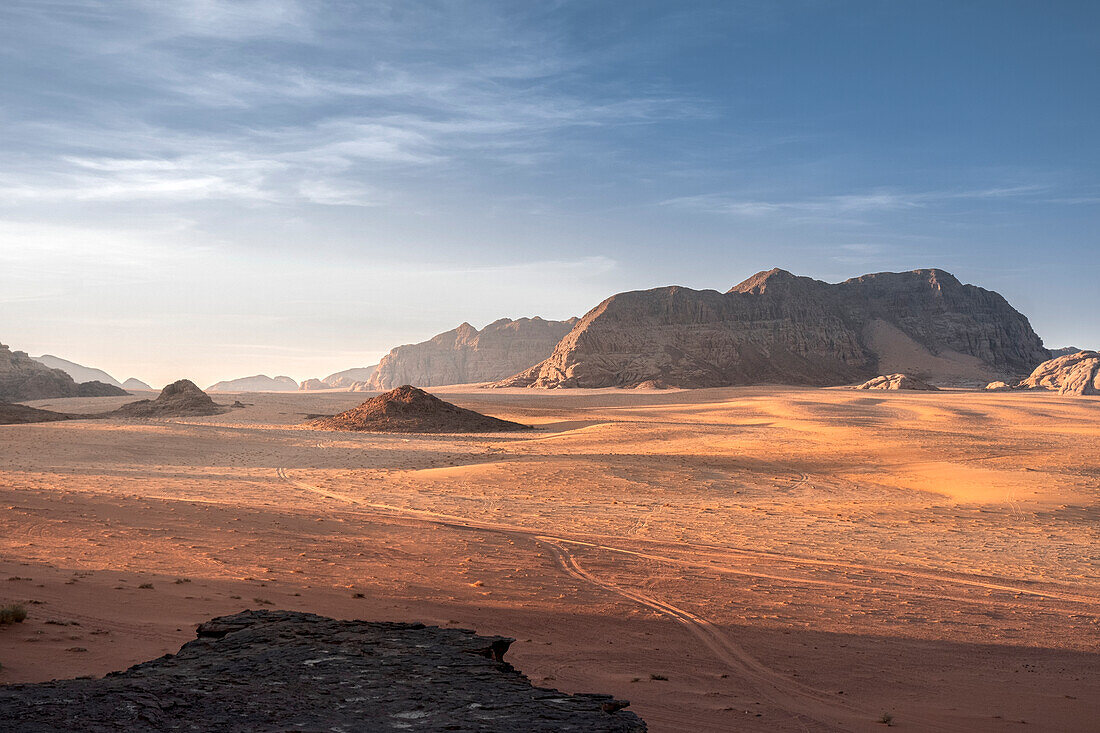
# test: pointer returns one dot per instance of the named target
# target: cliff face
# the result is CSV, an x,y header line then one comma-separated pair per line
x,y
22,378
779,328
465,355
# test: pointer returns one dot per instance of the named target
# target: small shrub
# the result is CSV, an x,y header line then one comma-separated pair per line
x,y
263,602
659,677
886,719
146,586
180,581
13,613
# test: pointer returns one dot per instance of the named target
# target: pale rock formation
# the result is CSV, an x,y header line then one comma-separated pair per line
x,y
78,372
256,383
897,381
1072,374
465,355
349,377
998,386
312,385
134,383
778,328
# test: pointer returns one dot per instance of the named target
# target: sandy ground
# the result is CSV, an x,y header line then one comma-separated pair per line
x,y
752,559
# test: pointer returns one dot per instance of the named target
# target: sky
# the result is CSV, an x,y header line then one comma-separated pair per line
x,y
217,188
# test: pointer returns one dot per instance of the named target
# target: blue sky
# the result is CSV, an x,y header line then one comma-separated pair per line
x,y
207,188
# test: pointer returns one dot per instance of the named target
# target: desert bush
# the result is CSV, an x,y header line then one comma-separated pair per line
x,y
13,613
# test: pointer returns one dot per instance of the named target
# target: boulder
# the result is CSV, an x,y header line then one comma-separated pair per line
x,y
1072,374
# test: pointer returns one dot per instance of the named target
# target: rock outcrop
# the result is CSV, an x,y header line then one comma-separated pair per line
x,y
465,355
897,381
78,372
778,328
134,383
350,377
179,399
411,410
998,386
312,385
22,378
1072,374
255,383
283,671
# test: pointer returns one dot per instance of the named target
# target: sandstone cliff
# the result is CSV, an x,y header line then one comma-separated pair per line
x,y
779,328
23,378
465,355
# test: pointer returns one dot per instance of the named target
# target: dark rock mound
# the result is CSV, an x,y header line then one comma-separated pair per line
x,y
179,399
1072,374
99,389
21,414
897,381
283,670
411,410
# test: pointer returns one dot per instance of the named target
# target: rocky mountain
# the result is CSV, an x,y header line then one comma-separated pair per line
x,y
22,378
256,383
349,377
411,410
78,372
1072,374
134,383
294,671
465,355
312,385
780,328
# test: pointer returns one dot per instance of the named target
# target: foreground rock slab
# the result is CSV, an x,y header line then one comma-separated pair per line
x,y
1071,374
897,381
291,671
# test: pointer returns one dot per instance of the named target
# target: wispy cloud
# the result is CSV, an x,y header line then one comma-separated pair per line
x,y
842,206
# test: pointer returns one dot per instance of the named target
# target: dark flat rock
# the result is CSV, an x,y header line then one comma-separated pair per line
x,y
289,671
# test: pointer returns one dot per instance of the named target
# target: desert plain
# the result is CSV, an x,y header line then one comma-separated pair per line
x,y
737,559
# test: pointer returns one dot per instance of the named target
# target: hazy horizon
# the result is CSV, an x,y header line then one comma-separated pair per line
x,y
211,189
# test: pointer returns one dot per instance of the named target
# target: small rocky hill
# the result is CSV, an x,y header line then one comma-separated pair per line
x,y
134,383
411,410
897,381
1072,374
255,383
290,671
465,355
779,328
179,399
22,378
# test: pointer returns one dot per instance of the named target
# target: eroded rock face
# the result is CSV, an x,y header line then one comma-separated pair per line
x,y
408,409
179,399
779,328
283,670
22,378
897,381
311,385
1072,374
466,355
